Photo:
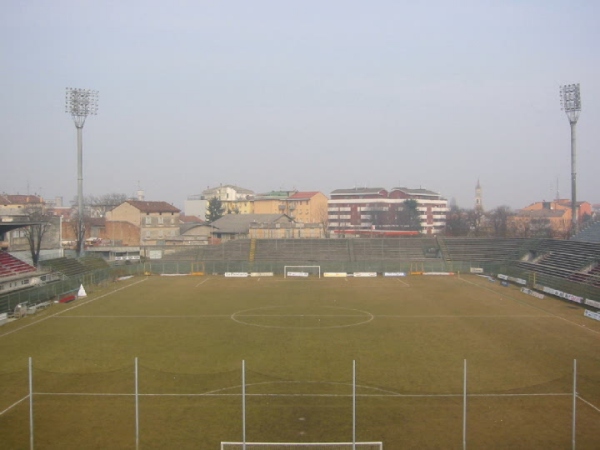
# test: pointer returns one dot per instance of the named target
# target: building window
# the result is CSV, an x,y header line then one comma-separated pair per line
x,y
148,220
160,220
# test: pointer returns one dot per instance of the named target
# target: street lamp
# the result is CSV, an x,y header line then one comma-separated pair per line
x,y
80,103
570,101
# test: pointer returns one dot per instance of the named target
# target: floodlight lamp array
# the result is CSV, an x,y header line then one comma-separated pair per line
x,y
81,102
570,97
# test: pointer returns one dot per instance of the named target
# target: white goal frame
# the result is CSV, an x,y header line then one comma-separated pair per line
x,y
283,445
285,269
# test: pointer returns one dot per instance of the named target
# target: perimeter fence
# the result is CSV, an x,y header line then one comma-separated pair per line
x,y
100,278
142,406
44,292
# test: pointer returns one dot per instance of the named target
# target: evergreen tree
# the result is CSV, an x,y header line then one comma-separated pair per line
x,y
214,210
408,217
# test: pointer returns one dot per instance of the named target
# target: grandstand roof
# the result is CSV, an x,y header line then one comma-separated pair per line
x,y
153,207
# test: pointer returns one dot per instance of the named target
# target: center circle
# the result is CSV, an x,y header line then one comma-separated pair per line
x,y
302,318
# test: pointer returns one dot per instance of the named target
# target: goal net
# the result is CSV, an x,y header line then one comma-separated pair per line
x,y
301,445
301,271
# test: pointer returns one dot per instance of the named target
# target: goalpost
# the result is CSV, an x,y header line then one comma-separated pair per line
x,y
243,445
298,445
301,271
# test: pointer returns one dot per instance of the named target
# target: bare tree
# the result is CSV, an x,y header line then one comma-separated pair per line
x,y
98,206
322,217
476,221
457,222
34,233
499,219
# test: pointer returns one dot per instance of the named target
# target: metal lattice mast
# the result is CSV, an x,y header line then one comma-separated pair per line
x,y
570,100
80,103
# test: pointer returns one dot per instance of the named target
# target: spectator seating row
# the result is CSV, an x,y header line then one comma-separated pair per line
x,y
394,249
574,260
66,266
591,233
11,266
482,249
289,250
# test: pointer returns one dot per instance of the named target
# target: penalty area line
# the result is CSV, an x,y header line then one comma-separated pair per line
x,y
13,405
588,403
202,282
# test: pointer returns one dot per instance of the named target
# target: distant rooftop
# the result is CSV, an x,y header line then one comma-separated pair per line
x,y
416,191
153,207
358,191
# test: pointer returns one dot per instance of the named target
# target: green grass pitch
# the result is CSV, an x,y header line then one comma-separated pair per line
x,y
409,338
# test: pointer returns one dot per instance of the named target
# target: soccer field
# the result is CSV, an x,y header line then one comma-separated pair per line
x,y
414,342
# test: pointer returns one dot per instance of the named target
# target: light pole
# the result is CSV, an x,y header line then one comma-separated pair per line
x,y
570,101
80,103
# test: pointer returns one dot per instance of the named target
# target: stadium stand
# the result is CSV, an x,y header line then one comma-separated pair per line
x,y
301,250
591,233
482,249
573,260
11,266
66,266
397,249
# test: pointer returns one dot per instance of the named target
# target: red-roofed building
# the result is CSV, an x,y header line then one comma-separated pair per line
x,y
17,205
155,221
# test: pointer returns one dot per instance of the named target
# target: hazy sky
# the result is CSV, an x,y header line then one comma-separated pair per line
x,y
313,95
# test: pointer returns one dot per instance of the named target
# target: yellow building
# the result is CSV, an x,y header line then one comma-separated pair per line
x,y
245,206
302,206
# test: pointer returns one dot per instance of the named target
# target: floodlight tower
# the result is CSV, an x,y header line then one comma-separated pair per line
x,y
570,101
80,103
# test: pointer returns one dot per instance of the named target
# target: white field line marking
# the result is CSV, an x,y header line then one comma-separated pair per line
x,y
403,282
302,315
332,316
556,316
588,403
202,282
463,317
213,394
71,308
148,317
14,404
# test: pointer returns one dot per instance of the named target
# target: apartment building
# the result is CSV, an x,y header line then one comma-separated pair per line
x,y
377,210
